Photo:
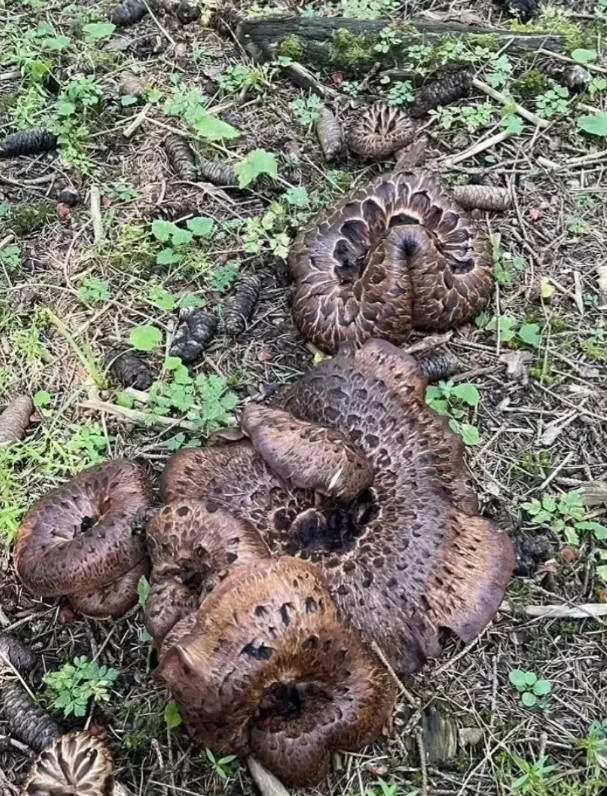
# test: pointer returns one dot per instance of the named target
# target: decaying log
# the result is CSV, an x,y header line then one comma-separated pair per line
x,y
348,44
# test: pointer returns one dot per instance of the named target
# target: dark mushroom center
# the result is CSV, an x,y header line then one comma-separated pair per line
x,y
332,529
288,702
86,523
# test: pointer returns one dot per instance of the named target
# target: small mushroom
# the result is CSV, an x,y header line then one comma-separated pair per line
x,y
307,455
75,764
380,131
266,668
84,539
192,549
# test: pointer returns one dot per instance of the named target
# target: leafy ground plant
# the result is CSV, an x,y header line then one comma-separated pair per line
x,y
530,686
455,401
566,516
75,684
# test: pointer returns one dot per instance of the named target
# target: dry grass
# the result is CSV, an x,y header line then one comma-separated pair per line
x,y
543,431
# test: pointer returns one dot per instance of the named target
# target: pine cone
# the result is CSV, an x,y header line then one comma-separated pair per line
x,y
129,368
181,158
330,135
26,719
27,142
193,335
482,197
127,13
438,365
240,306
16,653
217,173
444,91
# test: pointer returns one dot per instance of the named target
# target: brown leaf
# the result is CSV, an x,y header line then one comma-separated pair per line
x,y
63,211
568,554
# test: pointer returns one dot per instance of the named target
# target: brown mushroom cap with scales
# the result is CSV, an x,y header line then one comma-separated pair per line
x,y
381,130
75,764
396,254
85,540
192,549
307,455
267,668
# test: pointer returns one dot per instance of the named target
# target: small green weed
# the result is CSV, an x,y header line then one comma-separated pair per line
x,y
401,93
177,239
235,78
565,515
10,257
529,686
75,684
553,102
306,111
532,779
223,767
454,401
92,289
471,117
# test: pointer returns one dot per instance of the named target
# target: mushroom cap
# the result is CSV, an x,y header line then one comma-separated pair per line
x,y
381,130
86,534
113,600
267,668
192,549
305,454
395,254
423,560
75,764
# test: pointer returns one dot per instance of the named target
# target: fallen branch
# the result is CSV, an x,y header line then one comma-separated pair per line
x,y
15,419
136,122
504,100
137,417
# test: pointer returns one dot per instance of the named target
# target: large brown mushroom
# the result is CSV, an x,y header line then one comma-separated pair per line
x,y
408,557
266,667
192,549
85,540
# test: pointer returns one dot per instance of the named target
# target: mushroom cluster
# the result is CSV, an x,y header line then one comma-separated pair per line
x,y
331,532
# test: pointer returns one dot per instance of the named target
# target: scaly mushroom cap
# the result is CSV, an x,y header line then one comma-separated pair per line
x,y
305,454
266,668
380,131
75,764
420,560
395,255
85,539
192,549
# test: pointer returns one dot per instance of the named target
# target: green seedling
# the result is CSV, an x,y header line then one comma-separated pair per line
x,y
530,687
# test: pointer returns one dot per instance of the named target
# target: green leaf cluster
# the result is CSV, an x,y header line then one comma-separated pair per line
x,y
75,684
529,686
565,515
454,401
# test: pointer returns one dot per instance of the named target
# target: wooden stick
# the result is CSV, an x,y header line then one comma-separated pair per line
x,y
96,214
267,783
476,149
585,611
559,57
504,100
135,416
136,122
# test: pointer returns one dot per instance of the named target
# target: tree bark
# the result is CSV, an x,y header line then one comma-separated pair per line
x,y
349,44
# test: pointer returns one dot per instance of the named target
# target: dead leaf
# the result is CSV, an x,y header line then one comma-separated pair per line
x,y
568,554
535,214
63,211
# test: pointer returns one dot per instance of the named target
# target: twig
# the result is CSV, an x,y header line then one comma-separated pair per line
x,y
96,214
499,97
6,240
585,611
422,761
160,27
413,702
135,416
559,57
267,783
476,149
137,121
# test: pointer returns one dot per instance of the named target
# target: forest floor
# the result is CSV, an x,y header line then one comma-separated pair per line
x,y
75,279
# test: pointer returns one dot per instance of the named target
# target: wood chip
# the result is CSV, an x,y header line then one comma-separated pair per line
x,y
267,783
594,494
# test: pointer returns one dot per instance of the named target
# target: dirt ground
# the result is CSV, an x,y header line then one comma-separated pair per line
x,y
77,279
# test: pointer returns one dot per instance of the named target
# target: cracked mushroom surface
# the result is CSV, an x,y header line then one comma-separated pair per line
x,y
85,540
75,764
266,667
192,549
406,559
